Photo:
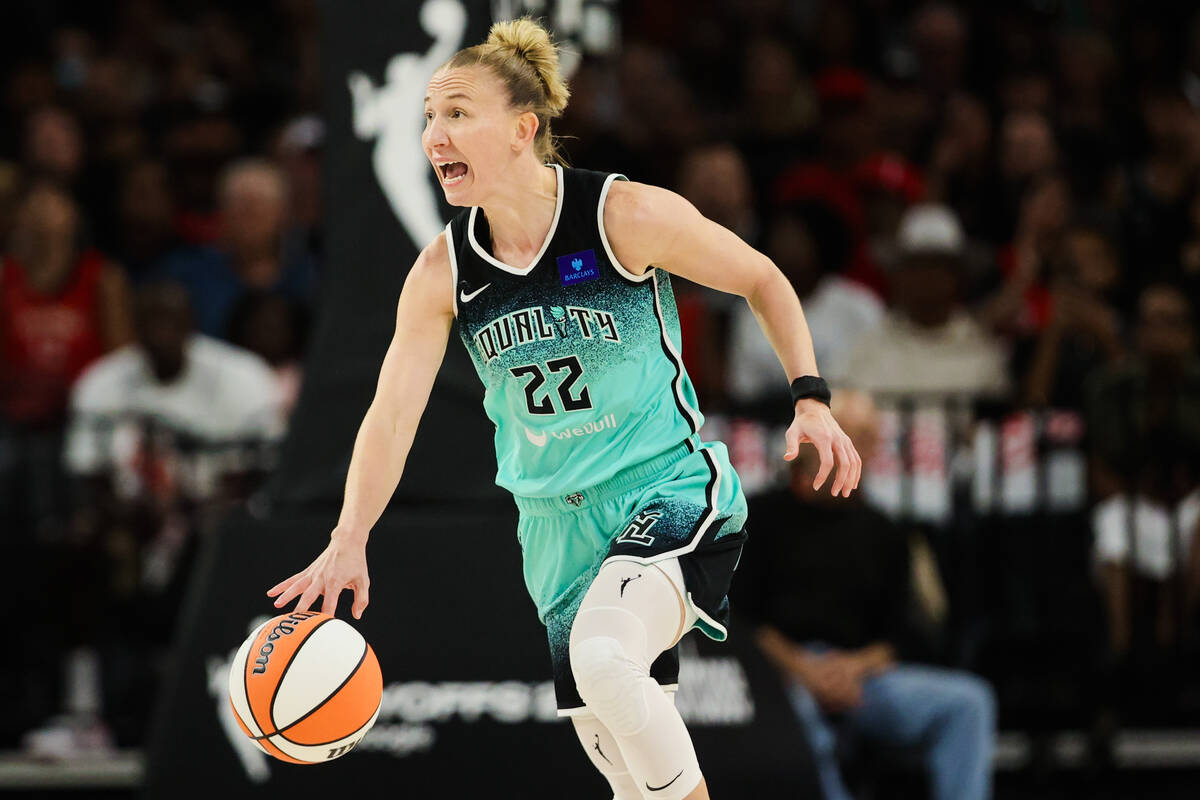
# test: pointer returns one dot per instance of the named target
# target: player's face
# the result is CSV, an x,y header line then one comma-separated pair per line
x,y
468,132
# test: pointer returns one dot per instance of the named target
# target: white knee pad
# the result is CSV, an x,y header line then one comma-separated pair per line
x,y
611,673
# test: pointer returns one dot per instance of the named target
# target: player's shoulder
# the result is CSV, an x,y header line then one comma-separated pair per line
x,y
435,254
433,273
632,207
632,197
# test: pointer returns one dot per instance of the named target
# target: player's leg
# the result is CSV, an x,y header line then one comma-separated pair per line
x,y
631,613
605,755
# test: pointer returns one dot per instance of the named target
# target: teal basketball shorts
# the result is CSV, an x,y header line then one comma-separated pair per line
x,y
686,503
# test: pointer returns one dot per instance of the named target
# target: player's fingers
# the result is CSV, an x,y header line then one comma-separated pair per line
x,y
298,585
858,466
331,592
843,467
845,464
825,449
791,441
361,598
284,584
309,597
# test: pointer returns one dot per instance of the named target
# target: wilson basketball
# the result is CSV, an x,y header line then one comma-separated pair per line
x,y
305,687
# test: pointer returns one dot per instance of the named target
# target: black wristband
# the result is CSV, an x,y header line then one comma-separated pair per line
x,y
810,386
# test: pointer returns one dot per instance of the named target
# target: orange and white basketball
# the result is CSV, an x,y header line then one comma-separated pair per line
x,y
305,687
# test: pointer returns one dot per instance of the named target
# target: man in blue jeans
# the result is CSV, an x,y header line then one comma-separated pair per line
x,y
827,582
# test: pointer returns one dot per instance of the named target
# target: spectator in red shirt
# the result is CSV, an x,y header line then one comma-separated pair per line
x,y
61,307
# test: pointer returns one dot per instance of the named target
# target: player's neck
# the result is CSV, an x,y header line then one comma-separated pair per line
x,y
521,212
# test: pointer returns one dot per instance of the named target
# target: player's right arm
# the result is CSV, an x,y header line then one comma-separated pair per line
x,y
423,318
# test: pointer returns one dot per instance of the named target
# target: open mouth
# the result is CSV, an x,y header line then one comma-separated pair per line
x,y
452,172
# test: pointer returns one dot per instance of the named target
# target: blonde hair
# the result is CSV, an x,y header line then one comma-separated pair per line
x,y
521,54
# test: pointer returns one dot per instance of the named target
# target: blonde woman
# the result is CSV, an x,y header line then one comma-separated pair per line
x,y
630,524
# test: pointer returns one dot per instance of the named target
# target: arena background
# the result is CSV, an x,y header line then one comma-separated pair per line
x,y
664,91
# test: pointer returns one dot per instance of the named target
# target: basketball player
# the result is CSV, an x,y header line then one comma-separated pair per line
x,y
630,525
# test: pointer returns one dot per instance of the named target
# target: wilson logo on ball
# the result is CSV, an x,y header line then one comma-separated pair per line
x,y
319,697
285,627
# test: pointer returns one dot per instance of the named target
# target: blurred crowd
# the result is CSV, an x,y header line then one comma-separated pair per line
x,y
990,211
159,256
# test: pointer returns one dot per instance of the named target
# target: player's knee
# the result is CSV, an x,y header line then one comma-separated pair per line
x,y
610,683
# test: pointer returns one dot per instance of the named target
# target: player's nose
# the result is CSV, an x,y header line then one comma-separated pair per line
x,y
435,134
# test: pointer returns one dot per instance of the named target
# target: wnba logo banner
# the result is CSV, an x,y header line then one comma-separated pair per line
x,y
382,205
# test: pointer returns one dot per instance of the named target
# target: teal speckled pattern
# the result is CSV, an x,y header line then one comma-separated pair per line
x,y
612,327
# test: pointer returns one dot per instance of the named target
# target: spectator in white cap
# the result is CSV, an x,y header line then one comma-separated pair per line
x,y
928,344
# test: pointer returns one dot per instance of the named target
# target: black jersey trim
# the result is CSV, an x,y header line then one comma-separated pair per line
x,y
612,257
703,526
495,262
676,360
453,265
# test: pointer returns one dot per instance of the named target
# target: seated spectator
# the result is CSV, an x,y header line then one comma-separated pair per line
x,y
1028,149
253,253
1189,250
827,583
810,245
184,381
151,443
54,145
1144,419
61,307
197,147
1153,187
144,226
888,186
715,179
1021,306
928,343
275,328
962,173
1083,332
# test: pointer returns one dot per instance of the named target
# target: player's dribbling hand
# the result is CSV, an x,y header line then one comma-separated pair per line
x,y
815,425
343,565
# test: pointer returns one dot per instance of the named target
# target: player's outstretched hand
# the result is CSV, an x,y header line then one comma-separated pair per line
x,y
343,565
815,425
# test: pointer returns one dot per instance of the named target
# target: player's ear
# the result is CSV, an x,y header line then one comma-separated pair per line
x,y
526,128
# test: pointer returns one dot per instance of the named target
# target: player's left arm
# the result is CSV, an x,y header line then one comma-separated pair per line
x,y
652,227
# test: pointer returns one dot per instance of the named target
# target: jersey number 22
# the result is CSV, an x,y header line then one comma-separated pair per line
x,y
537,378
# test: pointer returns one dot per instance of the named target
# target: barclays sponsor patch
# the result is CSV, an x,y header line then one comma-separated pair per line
x,y
578,267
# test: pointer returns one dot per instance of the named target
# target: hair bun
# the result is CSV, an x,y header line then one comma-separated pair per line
x,y
531,42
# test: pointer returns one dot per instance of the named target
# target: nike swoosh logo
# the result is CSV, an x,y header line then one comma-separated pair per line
x,y
665,785
466,298
538,439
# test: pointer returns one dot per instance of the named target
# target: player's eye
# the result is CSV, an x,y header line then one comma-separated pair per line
x,y
457,113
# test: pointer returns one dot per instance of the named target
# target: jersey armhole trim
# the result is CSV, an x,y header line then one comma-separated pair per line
x,y
453,267
612,257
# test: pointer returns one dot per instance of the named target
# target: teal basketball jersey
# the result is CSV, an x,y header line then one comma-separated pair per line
x,y
580,358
